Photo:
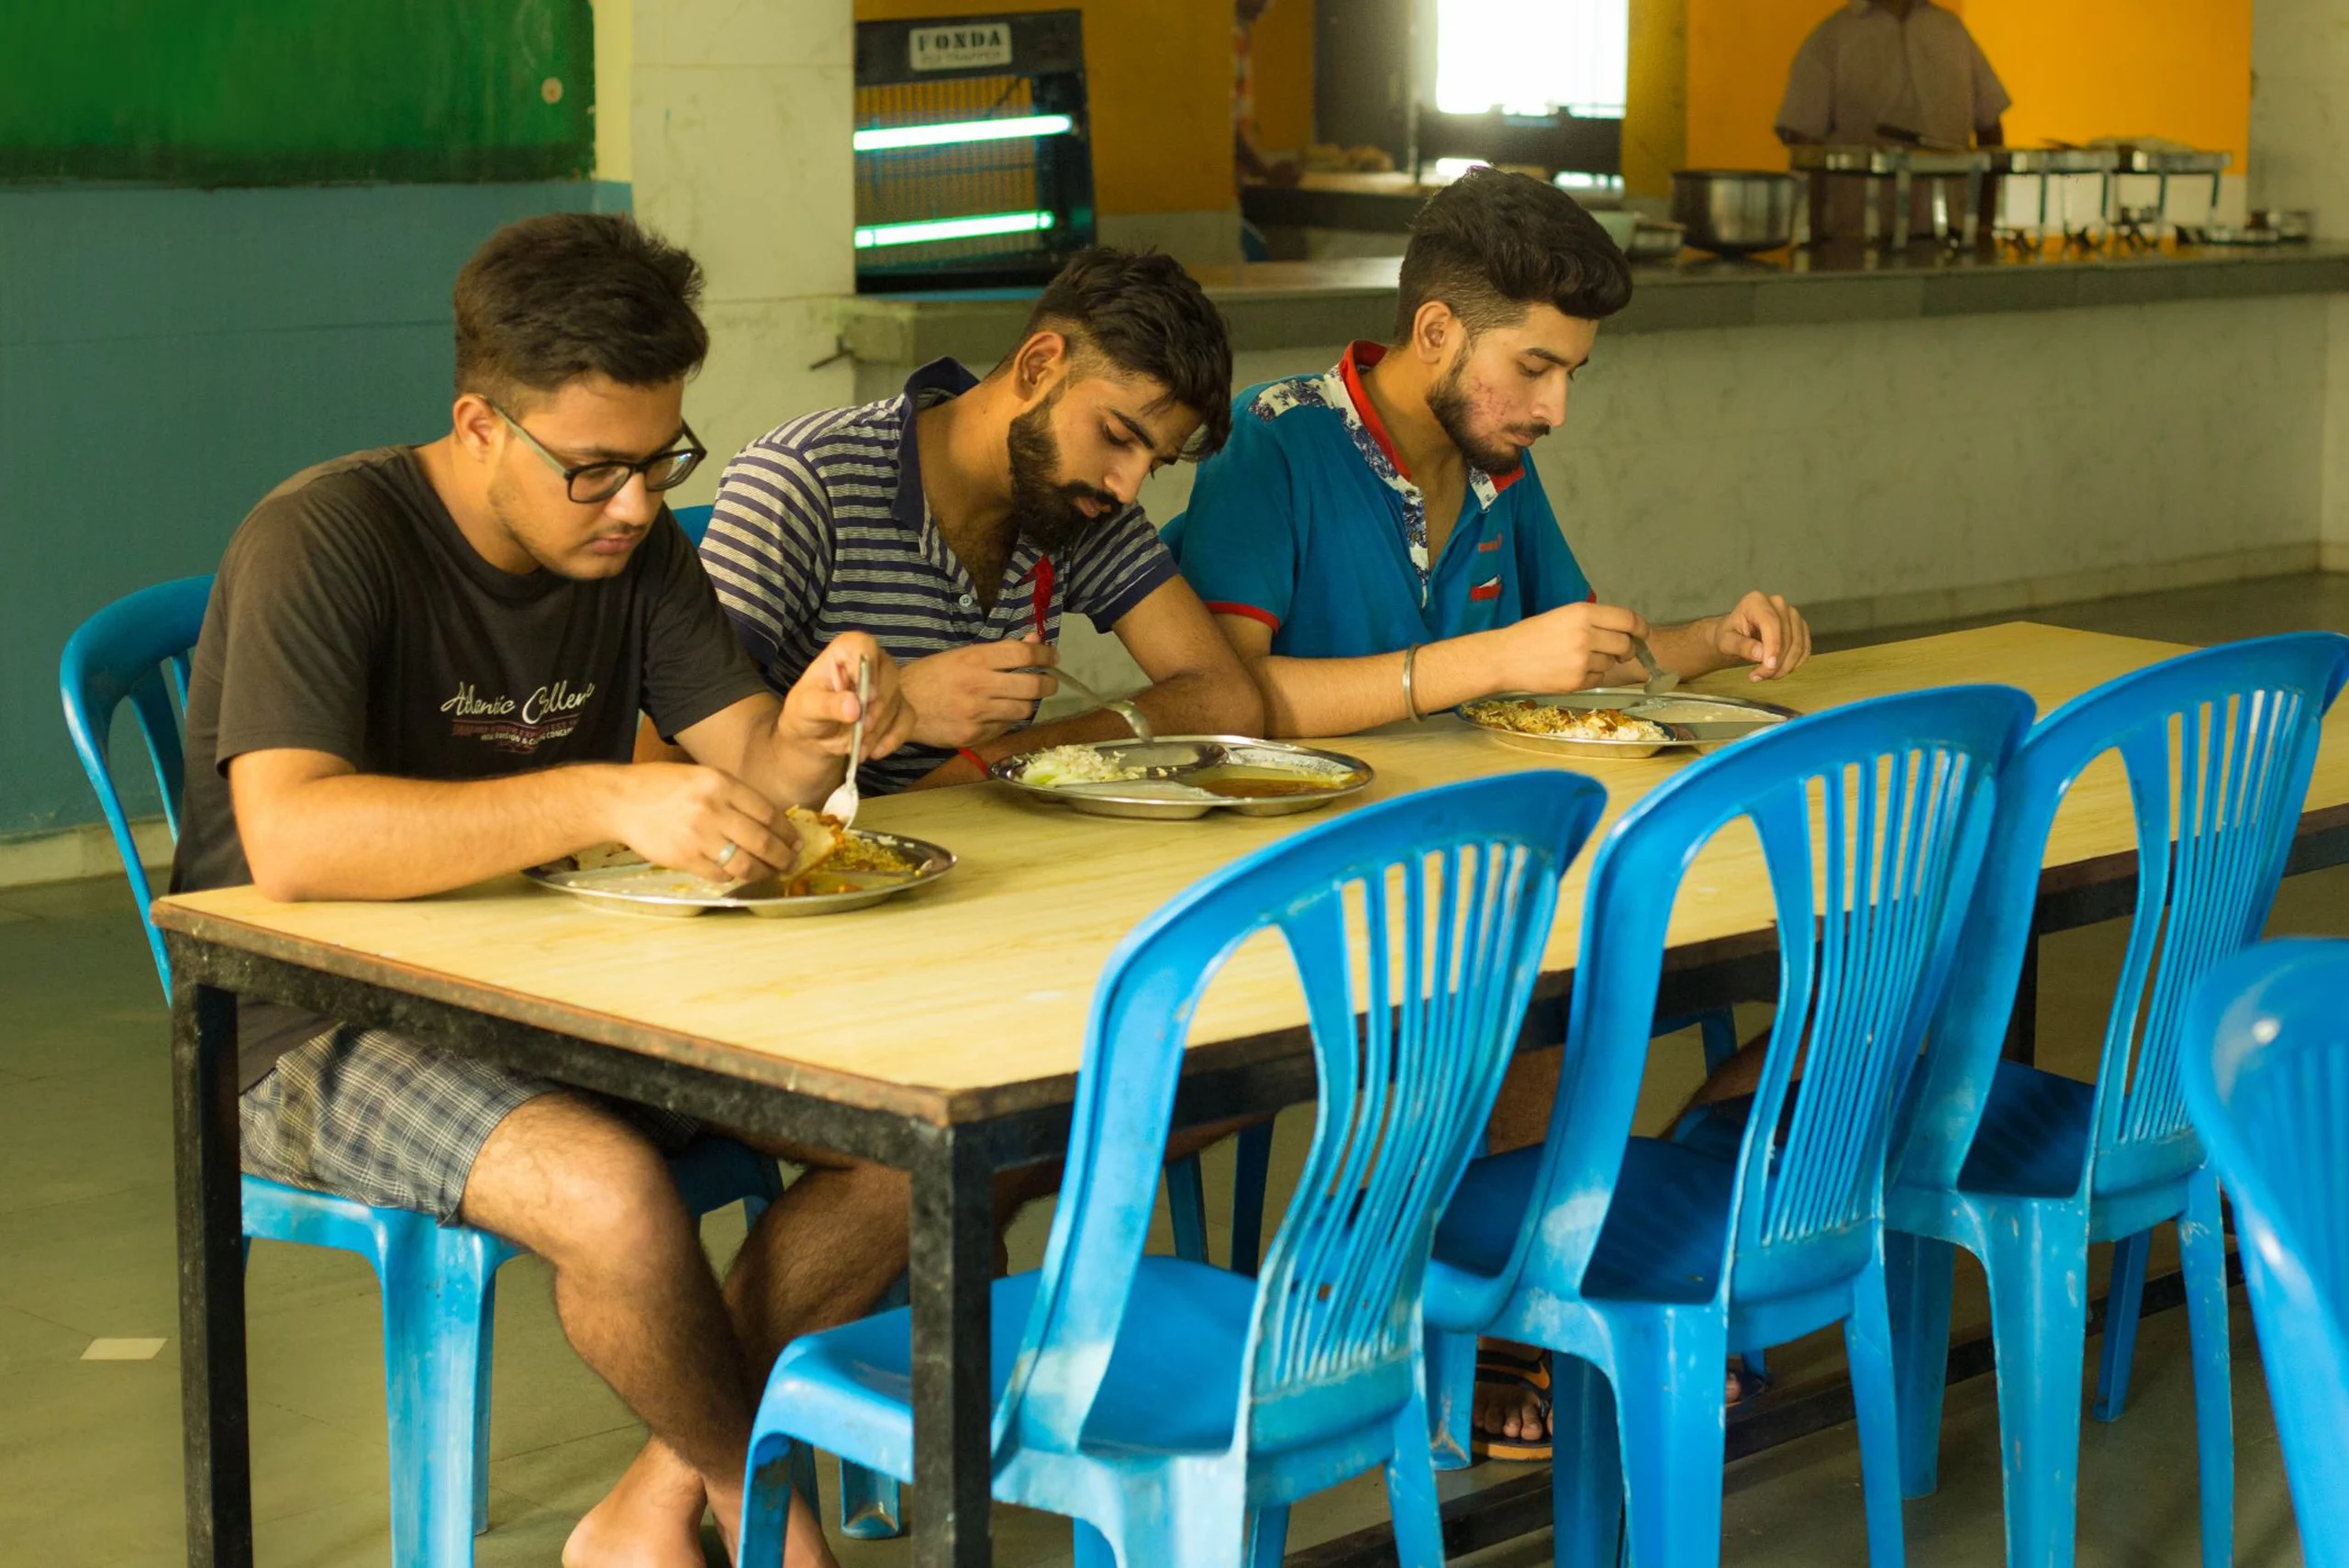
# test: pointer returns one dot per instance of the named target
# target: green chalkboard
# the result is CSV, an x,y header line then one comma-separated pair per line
x,y
293,92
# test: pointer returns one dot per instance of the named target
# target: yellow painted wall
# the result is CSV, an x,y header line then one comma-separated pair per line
x,y
1656,116
1283,48
2081,69
1739,51
1159,73
2077,69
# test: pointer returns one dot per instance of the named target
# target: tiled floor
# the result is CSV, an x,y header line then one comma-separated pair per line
x,y
89,1448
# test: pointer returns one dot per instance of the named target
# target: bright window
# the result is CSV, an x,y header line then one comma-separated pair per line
x,y
1532,57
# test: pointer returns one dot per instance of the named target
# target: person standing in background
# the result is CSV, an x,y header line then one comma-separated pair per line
x,y
1893,69
1250,164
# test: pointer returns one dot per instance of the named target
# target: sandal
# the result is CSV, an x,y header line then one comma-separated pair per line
x,y
1498,1369
1751,1384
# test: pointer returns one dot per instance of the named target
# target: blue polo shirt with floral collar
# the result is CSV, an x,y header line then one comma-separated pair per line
x,y
1307,522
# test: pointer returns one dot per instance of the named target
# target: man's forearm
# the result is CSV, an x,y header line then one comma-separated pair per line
x,y
1310,698
1189,704
792,775
365,836
747,740
1693,649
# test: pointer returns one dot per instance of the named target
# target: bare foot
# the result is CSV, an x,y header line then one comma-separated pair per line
x,y
1512,1406
651,1519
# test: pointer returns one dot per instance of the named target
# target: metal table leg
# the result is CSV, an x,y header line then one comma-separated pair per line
x,y
952,1257
214,1430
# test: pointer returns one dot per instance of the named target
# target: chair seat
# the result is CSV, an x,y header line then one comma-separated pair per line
x,y
2033,1138
1665,1232
1174,1390
2031,1142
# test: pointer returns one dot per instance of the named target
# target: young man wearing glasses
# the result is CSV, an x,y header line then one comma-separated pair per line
x,y
422,666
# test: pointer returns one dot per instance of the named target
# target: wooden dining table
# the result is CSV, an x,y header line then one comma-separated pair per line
x,y
941,1032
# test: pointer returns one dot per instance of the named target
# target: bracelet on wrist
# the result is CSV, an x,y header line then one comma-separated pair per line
x,y
972,758
1410,698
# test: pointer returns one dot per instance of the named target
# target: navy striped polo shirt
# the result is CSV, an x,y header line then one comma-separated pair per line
x,y
822,529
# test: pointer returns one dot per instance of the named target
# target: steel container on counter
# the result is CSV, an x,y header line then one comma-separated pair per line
x,y
1735,212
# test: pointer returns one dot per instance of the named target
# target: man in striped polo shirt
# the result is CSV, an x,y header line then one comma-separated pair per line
x,y
959,520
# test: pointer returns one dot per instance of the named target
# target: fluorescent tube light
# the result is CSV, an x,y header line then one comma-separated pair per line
x,y
952,228
884,139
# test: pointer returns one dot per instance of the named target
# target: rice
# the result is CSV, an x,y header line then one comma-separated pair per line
x,y
858,853
1059,765
1566,724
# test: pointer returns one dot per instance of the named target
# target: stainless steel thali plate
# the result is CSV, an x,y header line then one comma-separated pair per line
x,y
1187,776
1691,721
634,887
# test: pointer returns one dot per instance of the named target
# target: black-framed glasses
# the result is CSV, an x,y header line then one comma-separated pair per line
x,y
592,481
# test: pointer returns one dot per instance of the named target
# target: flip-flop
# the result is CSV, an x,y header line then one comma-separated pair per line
x,y
1498,1369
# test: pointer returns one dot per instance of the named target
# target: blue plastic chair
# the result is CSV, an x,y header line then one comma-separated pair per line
x,y
2024,1168
1643,1263
1177,1410
870,1507
439,1282
2266,1075
1451,1356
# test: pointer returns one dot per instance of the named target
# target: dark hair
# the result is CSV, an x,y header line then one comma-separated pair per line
x,y
1493,244
1141,311
570,294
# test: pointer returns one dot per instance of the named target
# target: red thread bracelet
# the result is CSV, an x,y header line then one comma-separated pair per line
x,y
972,758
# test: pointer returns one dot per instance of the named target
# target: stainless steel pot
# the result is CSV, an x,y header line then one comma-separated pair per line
x,y
1735,212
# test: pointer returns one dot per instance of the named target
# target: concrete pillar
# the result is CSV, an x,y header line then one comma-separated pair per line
x,y
2300,157
739,119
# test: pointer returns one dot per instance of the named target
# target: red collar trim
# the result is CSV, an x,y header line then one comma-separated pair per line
x,y
1359,357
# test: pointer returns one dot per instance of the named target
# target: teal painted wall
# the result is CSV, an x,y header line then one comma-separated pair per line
x,y
166,357
277,91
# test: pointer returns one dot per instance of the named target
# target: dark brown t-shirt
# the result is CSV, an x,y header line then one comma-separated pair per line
x,y
351,616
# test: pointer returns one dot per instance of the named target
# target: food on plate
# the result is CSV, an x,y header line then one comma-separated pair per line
x,y
858,853
1565,724
1060,765
858,862
820,841
1247,782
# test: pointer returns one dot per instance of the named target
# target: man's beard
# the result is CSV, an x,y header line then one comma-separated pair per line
x,y
1044,509
1448,401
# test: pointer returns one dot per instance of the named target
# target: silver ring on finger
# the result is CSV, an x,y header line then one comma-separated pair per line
x,y
729,852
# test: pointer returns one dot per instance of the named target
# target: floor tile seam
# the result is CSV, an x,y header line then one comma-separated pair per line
x,y
11,1212
498,1459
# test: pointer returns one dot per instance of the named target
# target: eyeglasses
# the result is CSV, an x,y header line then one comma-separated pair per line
x,y
592,481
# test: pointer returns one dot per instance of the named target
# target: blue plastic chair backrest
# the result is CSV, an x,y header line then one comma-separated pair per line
x,y
135,651
1417,928
2218,746
695,520
2265,1077
1871,820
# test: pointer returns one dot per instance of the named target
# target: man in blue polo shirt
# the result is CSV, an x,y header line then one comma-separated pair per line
x,y
1372,539
1376,547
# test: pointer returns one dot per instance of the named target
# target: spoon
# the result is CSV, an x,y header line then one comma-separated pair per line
x,y
843,801
1119,705
1659,680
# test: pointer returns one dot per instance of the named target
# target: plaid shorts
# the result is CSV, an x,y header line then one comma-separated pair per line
x,y
370,1117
